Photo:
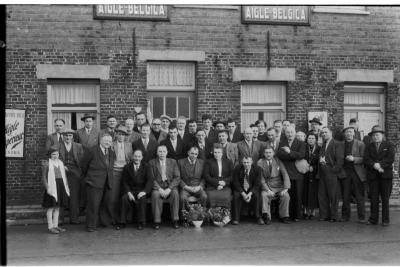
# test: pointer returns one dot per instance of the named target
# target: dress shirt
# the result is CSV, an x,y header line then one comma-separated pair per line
x,y
145,142
219,168
68,146
163,170
181,133
120,161
174,143
249,143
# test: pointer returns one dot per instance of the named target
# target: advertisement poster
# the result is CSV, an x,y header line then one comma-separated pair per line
x,y
15,133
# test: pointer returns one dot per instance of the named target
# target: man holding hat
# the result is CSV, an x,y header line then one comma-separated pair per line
x,y
355,175
123,155
88,136
165,122
378,158
71,154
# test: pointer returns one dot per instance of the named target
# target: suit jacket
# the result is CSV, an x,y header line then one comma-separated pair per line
x,y
237,136
94,168
138,181
172,173
188,177
205,152
232,153
188,140
278,171
211,173
52,140
384,156
274,145
254,179
132,137
87,140
255,152
297,152
127,150
263,137
358,150
151,151
163,135
212,136
106,130
334,157
77,151
180,151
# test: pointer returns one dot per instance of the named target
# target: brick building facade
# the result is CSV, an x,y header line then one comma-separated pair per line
x,y
217,60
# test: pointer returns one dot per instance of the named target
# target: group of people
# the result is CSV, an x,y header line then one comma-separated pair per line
x,y
113,173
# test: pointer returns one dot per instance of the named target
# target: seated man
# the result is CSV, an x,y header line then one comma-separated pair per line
x,y
166,176
136,186
246,188
275,183
192,182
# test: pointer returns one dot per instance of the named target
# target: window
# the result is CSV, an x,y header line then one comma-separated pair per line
x,y
366,103
171,88
70,100
361,10
262,101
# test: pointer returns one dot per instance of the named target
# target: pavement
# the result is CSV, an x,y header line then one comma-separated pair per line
x,y
301,243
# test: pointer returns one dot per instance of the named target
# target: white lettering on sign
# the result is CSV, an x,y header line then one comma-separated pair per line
x,y
135,10
276,14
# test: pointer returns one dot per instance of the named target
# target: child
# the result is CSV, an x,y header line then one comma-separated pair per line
x,y
57,191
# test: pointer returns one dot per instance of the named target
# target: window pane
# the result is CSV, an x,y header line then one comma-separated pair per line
x,y
73,94
183,107
271,116
167,76
158,106
262,94
170,106
248,117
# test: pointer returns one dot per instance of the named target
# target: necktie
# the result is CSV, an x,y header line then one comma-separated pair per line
x,y
88,131
201,146
269,166
60,139
163,172
377,146
145,143
106,156
246,181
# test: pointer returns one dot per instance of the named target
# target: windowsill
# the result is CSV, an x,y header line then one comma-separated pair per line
x,y
339,10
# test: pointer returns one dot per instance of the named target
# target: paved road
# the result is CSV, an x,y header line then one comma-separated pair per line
x,y
305,242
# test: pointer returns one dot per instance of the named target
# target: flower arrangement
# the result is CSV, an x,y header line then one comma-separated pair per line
x,y
194,212
219,215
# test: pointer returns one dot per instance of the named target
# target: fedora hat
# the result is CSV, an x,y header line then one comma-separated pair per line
x,y
219,122
68,131
122,129
316,120
348,127
165,117
376,129
87,115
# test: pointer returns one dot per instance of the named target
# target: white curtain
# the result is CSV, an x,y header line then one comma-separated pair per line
x,y
73,93
162,75
262,93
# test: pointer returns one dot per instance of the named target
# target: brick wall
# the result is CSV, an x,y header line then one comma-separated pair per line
x,y
64,34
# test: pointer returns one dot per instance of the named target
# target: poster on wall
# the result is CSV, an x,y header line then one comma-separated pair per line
x,y
15,133
321,115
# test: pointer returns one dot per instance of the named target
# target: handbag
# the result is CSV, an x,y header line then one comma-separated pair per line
x,y
302,166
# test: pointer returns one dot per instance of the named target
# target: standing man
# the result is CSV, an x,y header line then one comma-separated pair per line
x,y
315,126
192,181
88,136
378,158
97,168
55,139
165,174
174,144
110,129
354,123
290,149
132,135
211,134
181,126
246,188
229,150
165,122
190,136
219,126
234,134
203,147
71,154
141,119
278,129
275,184
250,147
272,140
355,175
136,186
156,132
123,155
262,127
330,169
147,145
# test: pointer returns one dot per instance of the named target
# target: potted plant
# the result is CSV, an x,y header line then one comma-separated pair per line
x,y
195,214
219,215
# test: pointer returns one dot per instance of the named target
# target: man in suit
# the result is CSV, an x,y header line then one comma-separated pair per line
x,y
191,134
250,147
290,149
219,126
330,170
275,184
165,122
132,135
156,132
136,185
97,168
110,129
203,147
354,123
211,134
192,183
230,150
246,189
355,175
174,144
166,176
146,144
278,129
262,130
272,140
123,155
71,154
181,126
88,136
378,158
234,134
55,139
141,119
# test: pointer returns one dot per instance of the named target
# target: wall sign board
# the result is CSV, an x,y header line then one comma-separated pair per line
x,y
15,133
288,15
131,12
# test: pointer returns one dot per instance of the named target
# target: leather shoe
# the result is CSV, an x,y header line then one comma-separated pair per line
x,y
117,227
332,220
385,224
61,230
53,231
285,220
140,226
89,229
260,221
235,222
77,222
156,226
175,224
344,220
371,223
362,221
324,219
